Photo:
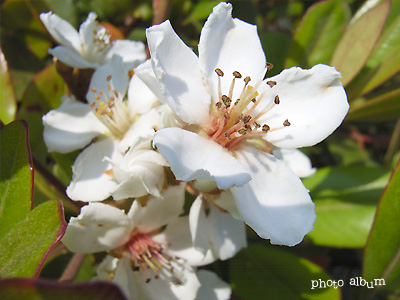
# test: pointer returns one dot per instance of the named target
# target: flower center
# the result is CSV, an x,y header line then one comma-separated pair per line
x,y
233,121
111,109
100,44
150,258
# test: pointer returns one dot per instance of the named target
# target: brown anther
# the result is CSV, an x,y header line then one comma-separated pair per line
x,y
237,74
242,131
237,101
227,136
246,119
93,90
226,115
254,100
286,123
115,93
265,128
218,104
108,77
219,72
247,80
108,88
276,100
131,73
271,83
269,66
92,104
147,280
248,127
97,97
256,124
101,93
227,101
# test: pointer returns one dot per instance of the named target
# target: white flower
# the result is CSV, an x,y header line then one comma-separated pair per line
x,y
235,121
115,123
146,262
91,46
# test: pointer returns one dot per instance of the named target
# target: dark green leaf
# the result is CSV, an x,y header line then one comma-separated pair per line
x,y
260,273
382,253
358,41
318,33
380,108
200,11
345,201
16,176
275,45
29,289
25,247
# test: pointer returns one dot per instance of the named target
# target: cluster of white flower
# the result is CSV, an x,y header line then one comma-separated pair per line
x,y
228,136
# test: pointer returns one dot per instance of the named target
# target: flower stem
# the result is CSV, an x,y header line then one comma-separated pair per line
x,y
73,267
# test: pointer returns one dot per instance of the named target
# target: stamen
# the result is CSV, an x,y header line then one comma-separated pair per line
x,y
271,83
266,128
276,100
219,72
269,66
108,77
286,123
237,74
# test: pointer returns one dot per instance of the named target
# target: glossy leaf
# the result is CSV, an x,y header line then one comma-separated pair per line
x,y
345,201
16,176
275,45
259,271
358,41
25,247
30,289
200,11
380,108
318,33
8,103
382,253
384,62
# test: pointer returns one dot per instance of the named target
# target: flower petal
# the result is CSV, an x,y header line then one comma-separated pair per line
x,y
231,45
87,27
177,70
198,226
314,101
62,31
212,287
158,211
227,235
140,98
89,180
71,58
194,157
145,72
133,53
99,227
70,127
274,203
127,280
297,161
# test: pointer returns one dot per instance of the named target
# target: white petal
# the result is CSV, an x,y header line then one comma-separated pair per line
x,y
62,31
297,161
158,211
87,27
71,58
145,72
228,235
127,280
274,203
100,80
231,45
212,287
179,239
89,180
133,53
194,157
198,226
227,202
70,127
314,101
99,227
177,71
140,98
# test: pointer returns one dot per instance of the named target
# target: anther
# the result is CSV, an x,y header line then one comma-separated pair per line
x,y
227,101
93,90
218,104
237,74
228,136
286,123
226,115
246,119
269,66
97,97
219,72
108,77
247,80
242,131
265,128
254,100
256,124
276,100
271,83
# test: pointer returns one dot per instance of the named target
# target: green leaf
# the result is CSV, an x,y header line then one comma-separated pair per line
x,y
275,45
8,103
345,201
379,108
384,62
319,31
200,11
16,176
30,289
382,253
25,247
259,271
358,42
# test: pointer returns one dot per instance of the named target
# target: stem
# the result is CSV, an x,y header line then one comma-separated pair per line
x,y
161,10
73,267
394,144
